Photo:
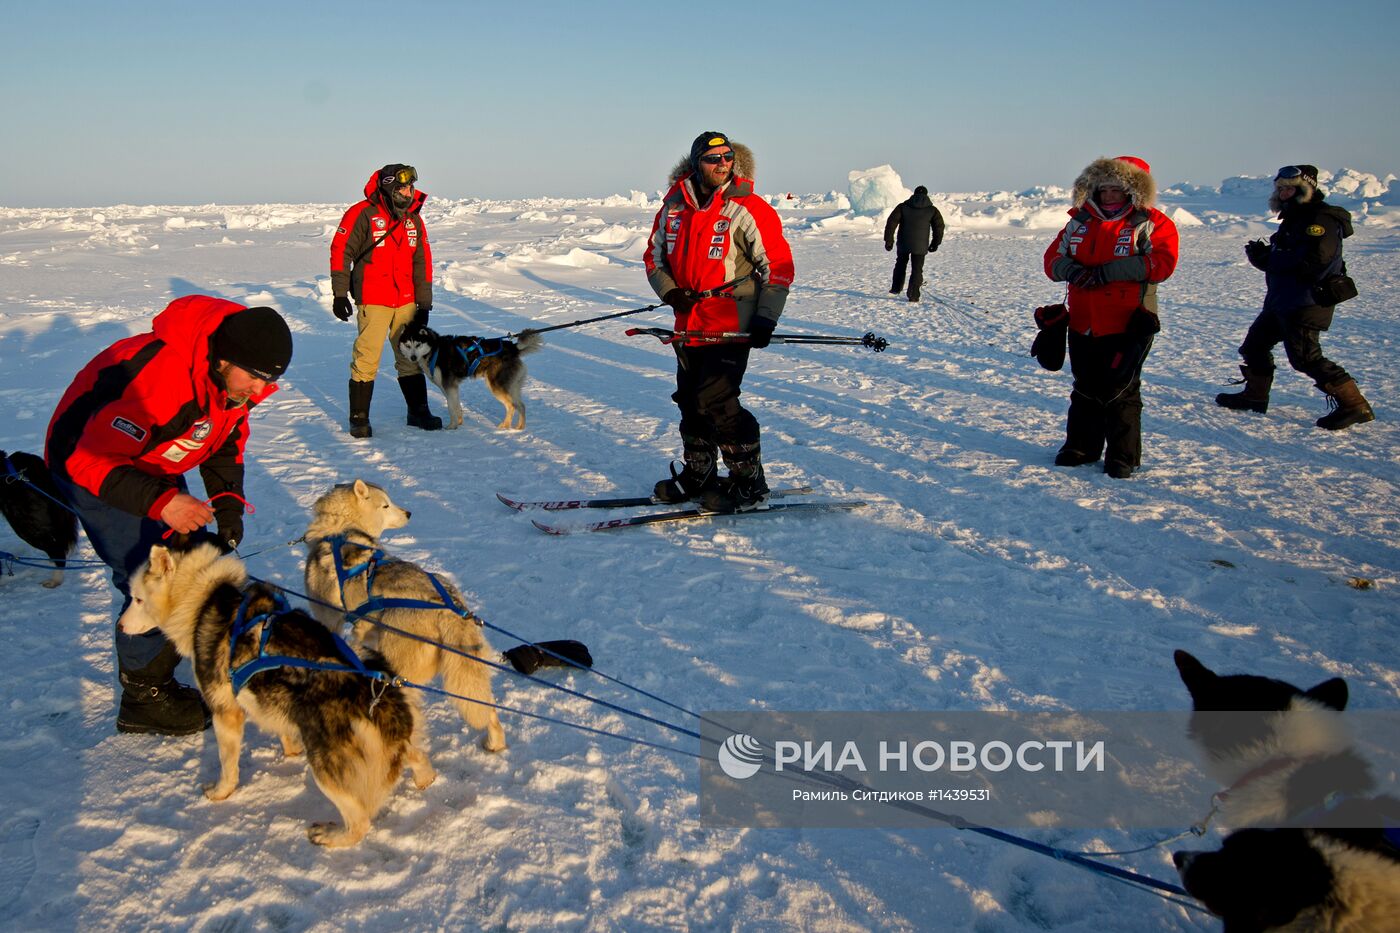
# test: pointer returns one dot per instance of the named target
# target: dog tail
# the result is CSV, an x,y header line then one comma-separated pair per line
x,y
528,341
472,679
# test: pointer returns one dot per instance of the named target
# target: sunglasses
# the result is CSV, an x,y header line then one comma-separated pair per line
x,y
406,175
717,158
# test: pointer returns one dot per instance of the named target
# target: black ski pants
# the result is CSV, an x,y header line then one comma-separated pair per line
x,y
1105,405
708,381
916,280
1302,342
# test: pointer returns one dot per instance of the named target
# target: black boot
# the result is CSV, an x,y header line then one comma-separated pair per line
x,y
1349,406
1254,396
360,395
166,707
744,489
698,475
415,394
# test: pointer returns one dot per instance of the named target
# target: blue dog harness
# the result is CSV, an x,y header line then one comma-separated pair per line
x,y
243,623
480,349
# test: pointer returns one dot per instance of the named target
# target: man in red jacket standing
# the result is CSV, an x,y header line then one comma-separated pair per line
x,y
717,256
1112,253
140,415
380,257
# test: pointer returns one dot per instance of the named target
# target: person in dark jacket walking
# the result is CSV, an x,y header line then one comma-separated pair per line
x,y
380,257
920,231
1305,251
144,412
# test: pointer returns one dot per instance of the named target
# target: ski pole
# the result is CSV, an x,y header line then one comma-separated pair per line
x,y
717,290
869,340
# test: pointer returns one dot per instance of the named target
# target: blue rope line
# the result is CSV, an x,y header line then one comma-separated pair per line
x,y
47,564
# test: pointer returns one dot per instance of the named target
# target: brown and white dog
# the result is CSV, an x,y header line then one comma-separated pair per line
x,y
358,734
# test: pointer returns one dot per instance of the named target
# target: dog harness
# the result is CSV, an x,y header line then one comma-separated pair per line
x,y
374,603
243,623
480,349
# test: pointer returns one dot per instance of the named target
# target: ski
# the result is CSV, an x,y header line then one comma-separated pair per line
x,y
685,515
560,504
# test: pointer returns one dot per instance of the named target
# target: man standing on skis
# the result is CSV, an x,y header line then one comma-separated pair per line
x,y
1298,261
717,256
380,257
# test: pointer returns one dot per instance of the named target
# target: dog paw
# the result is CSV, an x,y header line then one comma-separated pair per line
x,y
494,742
219,791
332,835
51,584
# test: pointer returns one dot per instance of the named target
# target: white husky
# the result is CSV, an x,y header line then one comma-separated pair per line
x,y
351,518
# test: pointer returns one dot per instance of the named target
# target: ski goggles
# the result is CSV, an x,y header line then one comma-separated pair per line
x,y
717,157
404,176
1292,173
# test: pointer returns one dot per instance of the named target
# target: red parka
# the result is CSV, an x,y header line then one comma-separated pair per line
x,y
147,409
398,270
1136,250
736,234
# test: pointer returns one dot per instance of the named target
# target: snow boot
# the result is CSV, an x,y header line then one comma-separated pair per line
x,y
1348,406
1254,396
415,394
1118,469
160,708
698,475
744,489
1068,456
360,395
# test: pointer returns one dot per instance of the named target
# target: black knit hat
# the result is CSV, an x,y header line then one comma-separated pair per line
x,y
921,190
704,143
1290,174
256,339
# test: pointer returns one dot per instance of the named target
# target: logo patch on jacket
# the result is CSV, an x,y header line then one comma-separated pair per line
x,y
380,223
721,226
716,252
1316,230
201,430
130,428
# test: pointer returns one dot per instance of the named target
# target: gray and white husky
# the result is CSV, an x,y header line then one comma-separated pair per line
x,y
450,361
358,735
351,517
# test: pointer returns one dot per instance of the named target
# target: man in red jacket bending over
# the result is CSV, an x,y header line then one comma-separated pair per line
x,y
140,415
380,257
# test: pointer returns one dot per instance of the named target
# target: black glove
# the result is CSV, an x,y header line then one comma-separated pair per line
x,y
420,317
343,309
230,529
933,247
681,300
1088,277
1143,322
761,332
1257,251
888,247
529,658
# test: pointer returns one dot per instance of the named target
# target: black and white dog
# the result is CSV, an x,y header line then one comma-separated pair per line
x,y
1284,755
31,503
449,361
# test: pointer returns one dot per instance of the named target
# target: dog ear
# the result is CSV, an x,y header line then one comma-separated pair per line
x,y
1195,675
361,489
1331,693
162,563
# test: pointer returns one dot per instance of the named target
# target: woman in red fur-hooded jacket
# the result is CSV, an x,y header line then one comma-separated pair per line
x,y
1112,253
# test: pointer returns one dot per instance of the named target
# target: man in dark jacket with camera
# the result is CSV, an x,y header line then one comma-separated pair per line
x,y
920,231
1305,278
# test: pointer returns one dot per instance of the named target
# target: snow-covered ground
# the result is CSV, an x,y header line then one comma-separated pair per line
x,y
979,578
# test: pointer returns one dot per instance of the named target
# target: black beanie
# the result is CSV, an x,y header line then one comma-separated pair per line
x,y
704,143
256,339
921,190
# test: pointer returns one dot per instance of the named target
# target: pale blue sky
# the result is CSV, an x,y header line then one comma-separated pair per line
x,y
252,101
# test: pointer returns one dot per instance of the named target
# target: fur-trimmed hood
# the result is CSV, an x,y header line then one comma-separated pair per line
x,y
1307,193
1137,181
743,164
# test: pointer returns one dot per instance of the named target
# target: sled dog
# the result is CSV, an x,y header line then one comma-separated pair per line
x,y
1288,764
449,361
352,517
358,733
32,504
